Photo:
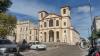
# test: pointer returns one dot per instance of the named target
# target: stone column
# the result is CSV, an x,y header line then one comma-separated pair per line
x,y
47,37
68,36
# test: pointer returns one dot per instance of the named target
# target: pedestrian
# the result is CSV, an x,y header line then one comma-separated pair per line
x,y
24,41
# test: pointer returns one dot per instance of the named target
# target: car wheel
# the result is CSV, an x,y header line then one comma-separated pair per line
x,y
37,48
45,48
5,54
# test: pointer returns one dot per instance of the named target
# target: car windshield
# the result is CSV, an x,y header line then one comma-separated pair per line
x,y
5,42
38,43
33,43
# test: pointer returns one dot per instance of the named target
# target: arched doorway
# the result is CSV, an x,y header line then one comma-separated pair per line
x,y
51,36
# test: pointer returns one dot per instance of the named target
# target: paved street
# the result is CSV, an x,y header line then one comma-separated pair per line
x,y
57,51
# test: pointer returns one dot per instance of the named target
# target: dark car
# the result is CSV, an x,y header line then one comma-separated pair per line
x,y
6,46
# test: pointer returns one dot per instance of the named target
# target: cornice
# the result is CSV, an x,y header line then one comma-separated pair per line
x,y
56,28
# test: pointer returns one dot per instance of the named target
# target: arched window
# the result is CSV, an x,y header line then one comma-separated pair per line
x,y
41,26
30,38
20,29
50,23
64,23
30,31
57,22
64,31
64,11
45,24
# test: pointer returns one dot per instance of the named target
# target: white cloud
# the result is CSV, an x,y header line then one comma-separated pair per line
x,y
84,9
29,8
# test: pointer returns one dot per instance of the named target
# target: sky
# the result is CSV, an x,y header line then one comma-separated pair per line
x,y
80,11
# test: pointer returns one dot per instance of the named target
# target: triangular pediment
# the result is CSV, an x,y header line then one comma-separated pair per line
x,y
52,15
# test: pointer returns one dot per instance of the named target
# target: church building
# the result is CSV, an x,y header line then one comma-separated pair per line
x,y
57,28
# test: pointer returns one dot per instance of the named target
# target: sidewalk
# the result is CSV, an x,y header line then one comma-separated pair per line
x,y
84,52
52,44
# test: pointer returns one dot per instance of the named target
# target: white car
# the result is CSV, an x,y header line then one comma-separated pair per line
x,y
38,46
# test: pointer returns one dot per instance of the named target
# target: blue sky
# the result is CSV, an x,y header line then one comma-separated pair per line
x,y
80,11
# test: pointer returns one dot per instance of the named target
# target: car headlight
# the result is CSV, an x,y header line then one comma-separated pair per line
x,y
2,49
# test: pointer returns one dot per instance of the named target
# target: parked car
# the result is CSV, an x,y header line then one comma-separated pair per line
x,y
6,47
38,46
30,43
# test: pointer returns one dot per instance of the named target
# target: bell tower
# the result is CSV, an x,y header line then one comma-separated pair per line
x,y
42,14
66,23
65,11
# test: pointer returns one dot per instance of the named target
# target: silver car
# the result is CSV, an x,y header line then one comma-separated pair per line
x,y
38,46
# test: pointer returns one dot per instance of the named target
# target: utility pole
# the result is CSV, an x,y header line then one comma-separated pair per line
x,y
92,41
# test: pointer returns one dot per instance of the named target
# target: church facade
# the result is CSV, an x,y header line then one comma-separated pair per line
x,y
52,28
57,28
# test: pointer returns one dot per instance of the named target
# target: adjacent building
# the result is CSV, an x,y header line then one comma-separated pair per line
x,y
57,28
26,30
96,24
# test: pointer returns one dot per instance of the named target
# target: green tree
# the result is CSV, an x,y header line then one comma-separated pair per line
x,y
7,24
96,34
3,32
4,5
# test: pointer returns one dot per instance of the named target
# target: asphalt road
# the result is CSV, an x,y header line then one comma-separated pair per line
x,y
58,51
